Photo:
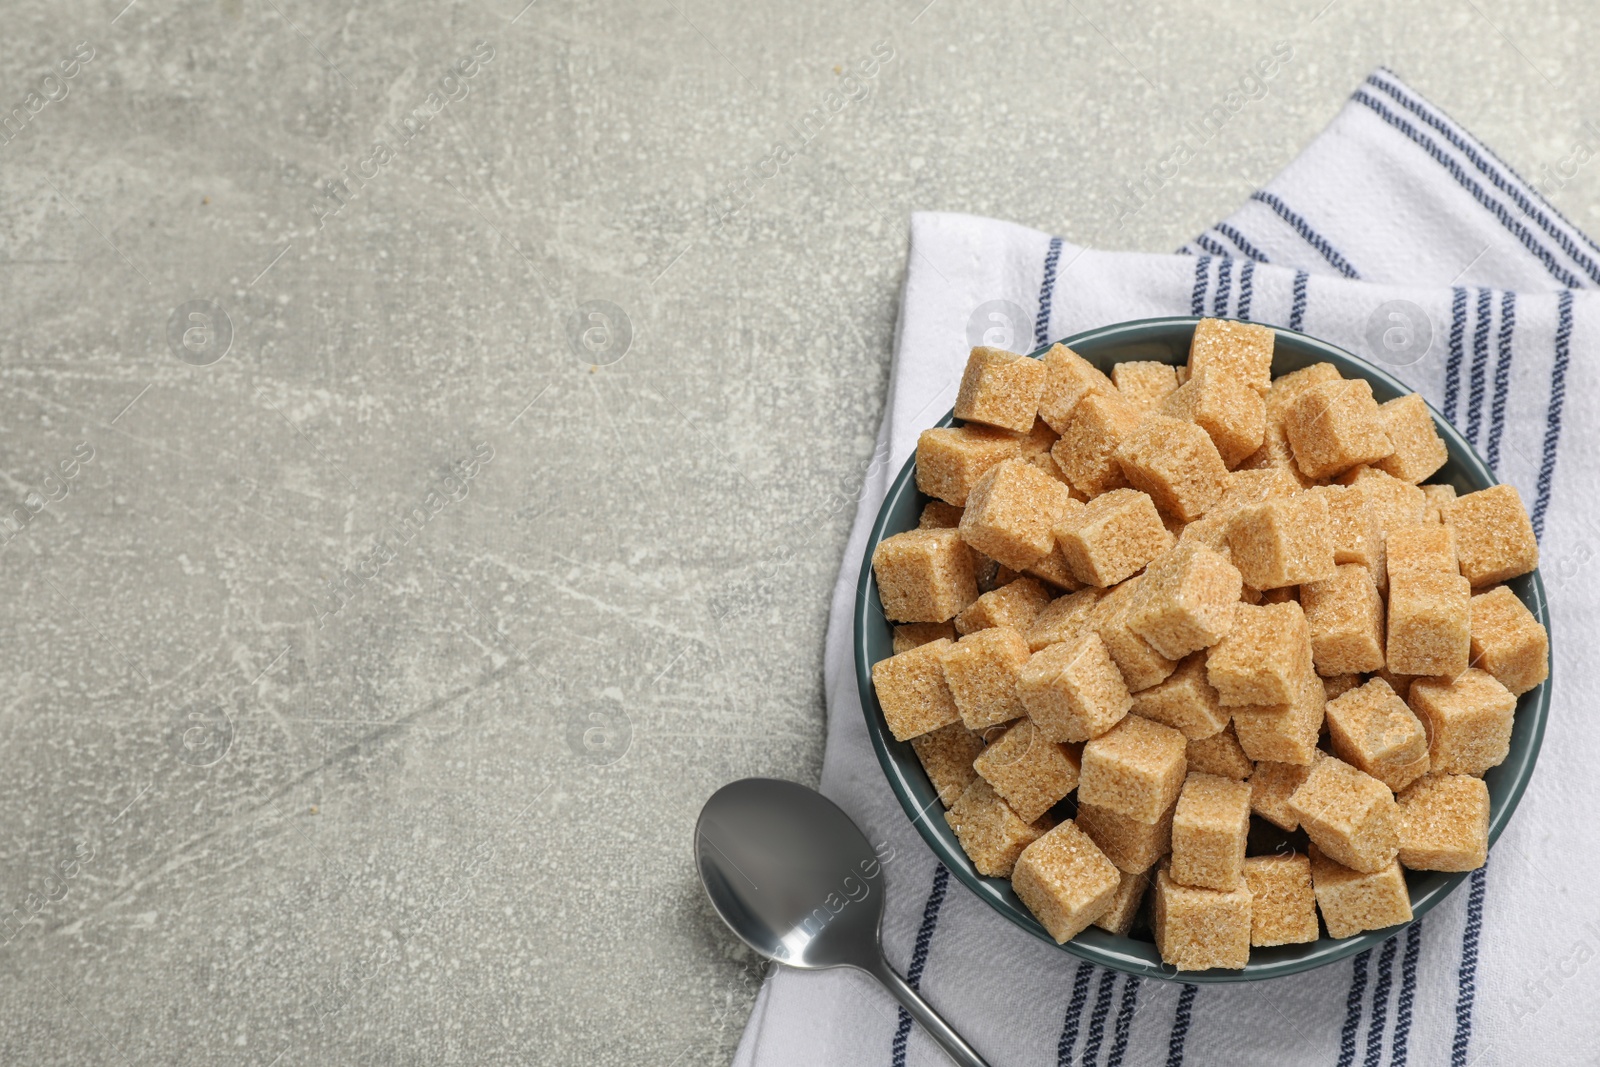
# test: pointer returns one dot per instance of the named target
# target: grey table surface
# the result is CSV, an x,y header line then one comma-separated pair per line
x,y
430,432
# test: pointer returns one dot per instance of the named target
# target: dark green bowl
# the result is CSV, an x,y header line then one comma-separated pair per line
x,y
1167,340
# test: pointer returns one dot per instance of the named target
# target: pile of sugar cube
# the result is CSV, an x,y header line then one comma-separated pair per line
x,y
1194,595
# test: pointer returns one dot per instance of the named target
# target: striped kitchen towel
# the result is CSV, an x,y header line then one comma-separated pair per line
x,y
1399,237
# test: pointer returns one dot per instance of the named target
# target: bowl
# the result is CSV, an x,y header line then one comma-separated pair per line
x,y
1167,340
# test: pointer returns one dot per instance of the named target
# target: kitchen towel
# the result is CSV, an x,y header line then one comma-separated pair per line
x,y
1400,237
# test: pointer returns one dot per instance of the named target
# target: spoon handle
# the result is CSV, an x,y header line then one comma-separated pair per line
x,y
952,1043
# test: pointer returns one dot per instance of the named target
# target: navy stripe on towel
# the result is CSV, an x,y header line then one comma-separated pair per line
x,y
1211,244
1552,429
1041,326
1452,365
1480,368
1097,1018
1180,1026
1239,239
1524,203
1310,236
1297,313
1529,240
1408,992
1352,1008
1202,276
1130,1005
1502,376
1070,1025
1380,1002
919,958
1219,304
1247,275
1467,980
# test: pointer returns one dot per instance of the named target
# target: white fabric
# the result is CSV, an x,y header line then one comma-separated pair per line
x,y
1409,227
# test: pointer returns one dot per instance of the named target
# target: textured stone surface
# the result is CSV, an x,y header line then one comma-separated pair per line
x,y
406,853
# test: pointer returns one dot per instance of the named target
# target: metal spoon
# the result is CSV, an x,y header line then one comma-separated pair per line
x,y
798,882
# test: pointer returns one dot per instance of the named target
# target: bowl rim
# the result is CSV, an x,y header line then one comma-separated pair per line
x,y
1107,949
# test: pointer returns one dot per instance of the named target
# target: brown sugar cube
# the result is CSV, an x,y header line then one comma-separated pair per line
x,y
1029,772
1227,409
1247,487
1334,426
1357,533
1220,754
1015,604
1468,721
1000,389
1286,388
1132,845
924,575
1073,690
1068,379
1397,503
1275,454
1086,452
1197,928
1112,537
1345,616
1185,601
1144,384
1444,823
1118,918
946,754
1176,463
1283,907
1052,568
1264,658
1348,814
1430,624
1065,881
1239,350
1352,901
1012,512
981,671
1374,731
1283,733
1400,683
990,833
1285,540
1208,831
1038,440
1210,532
1136,769
1184,701
1418,450
1439,497
1063,619
1047,463
911,634
912,691
1271,786
951,459
1493,535
1141,665
1422,549
1508,642
1339,684
937,515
